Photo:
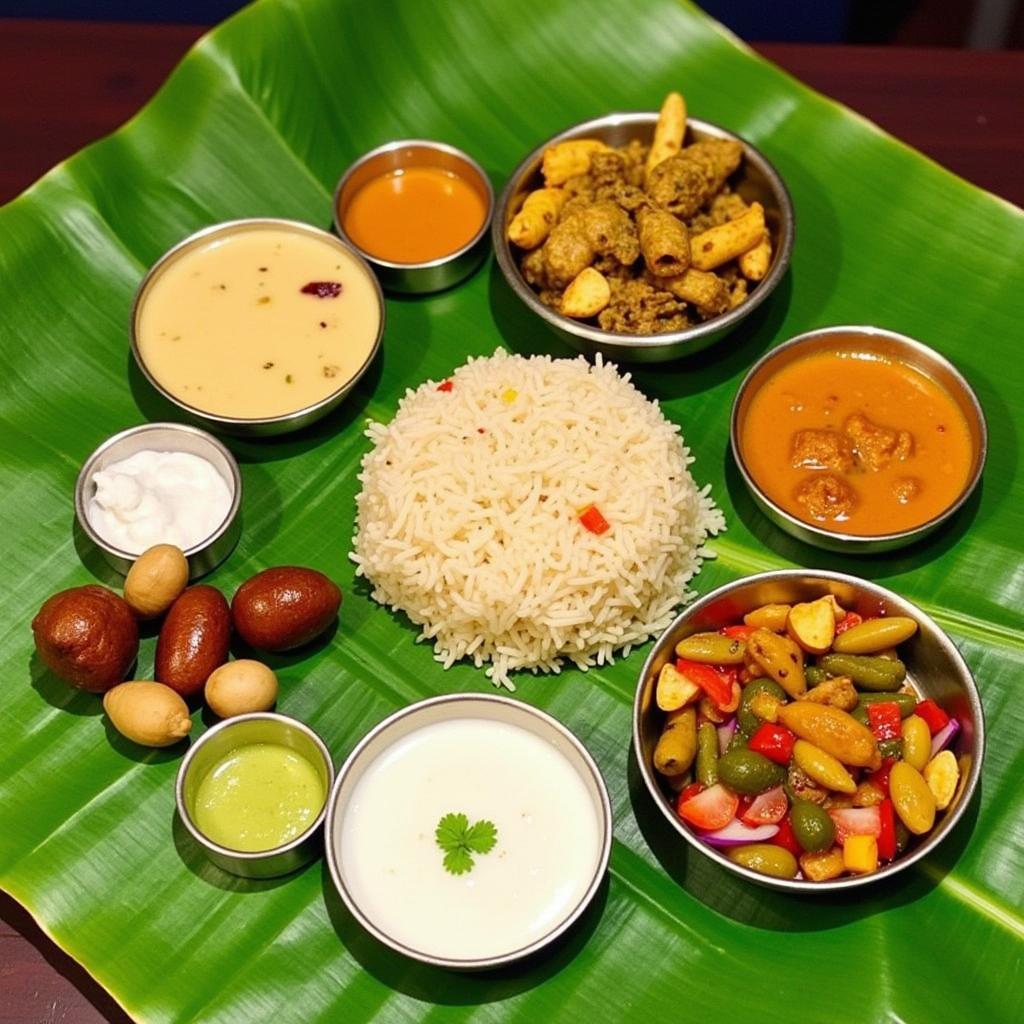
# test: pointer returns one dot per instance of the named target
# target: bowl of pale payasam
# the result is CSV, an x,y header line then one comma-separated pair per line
x,y
858,438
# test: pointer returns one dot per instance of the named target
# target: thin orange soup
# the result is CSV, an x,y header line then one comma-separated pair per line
x,y
857,443
414,214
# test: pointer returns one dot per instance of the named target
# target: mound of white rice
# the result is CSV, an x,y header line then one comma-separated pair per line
x,y
468,519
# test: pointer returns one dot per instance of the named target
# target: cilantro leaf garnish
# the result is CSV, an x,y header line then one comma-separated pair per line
x,y
460,840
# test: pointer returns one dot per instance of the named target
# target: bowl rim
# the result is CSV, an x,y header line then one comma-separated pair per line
x,y
923,849
223,726
389,147
334,813
227,227
88,470
856,540
780,262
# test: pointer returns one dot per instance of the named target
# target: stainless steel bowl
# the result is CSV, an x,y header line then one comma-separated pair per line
x,y
431,275
261,426
934,666
445,708
215,743
757,180
203,557
890,345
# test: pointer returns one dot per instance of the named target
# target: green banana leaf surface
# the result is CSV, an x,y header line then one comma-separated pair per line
x,y
260,119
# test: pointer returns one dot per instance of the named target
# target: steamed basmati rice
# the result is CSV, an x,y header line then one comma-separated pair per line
x,y
468,518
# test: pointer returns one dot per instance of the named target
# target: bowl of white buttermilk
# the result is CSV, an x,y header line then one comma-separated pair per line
x,y
468,831
160,483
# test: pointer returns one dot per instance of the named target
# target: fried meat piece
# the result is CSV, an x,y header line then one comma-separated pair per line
x,y
826,497
579,189
822,449
534,268
634,156
685,182
638,308
838,693
877,446
610,232
723,207
627,197
567,250
664,242
608,168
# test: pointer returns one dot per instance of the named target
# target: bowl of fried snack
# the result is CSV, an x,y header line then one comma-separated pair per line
x,y
644,236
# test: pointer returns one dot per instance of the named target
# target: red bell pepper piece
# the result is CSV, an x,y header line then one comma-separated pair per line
x,y
934,716
773,741
884,719
685,794
848,621
715,684
739,632
445,385
593,521
730,673
887,835
880,778
786,838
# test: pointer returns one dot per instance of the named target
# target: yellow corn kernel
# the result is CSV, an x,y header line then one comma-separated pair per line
x,y
509,395
860,854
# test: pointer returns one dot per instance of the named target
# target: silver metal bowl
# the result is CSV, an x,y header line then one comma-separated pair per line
x,y
262,426
203,557
757,180
215,743
431,275
446,708
890,345
935,667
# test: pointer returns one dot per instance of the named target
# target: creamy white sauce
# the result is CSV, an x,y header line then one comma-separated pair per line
x,y
548,844
158,498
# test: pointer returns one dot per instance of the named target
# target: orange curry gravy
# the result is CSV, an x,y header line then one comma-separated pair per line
x,y
857,443
414,214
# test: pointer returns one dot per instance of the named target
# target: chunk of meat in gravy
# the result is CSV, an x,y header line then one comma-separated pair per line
x,y
905,489
877,446
826,497
822,449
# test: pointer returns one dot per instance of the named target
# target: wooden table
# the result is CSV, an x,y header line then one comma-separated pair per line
x,y
64,84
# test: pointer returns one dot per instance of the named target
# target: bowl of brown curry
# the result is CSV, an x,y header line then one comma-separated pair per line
x,y
605,218
857,438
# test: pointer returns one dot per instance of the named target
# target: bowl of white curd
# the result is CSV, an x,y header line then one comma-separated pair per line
x,y
161,483
468,831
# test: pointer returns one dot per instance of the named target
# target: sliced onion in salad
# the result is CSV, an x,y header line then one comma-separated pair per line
x,y
736,834
726,732
944,736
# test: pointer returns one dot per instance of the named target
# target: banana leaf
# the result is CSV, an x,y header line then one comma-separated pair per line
x,y
260,118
